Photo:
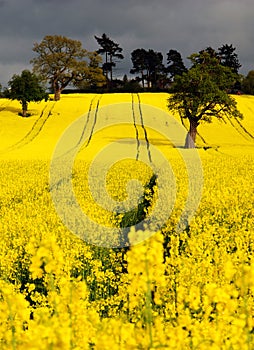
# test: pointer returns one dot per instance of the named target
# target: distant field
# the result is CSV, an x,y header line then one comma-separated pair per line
x,y
188,284
36,136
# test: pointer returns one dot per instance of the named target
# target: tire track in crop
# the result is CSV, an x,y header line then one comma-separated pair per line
x,y
143,127
240,129
202,138
94,121
34,131
251,110
135,126
87,121
4,105
88,117
244,129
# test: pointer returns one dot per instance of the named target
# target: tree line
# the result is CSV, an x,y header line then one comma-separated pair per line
x,y
62,62
198,93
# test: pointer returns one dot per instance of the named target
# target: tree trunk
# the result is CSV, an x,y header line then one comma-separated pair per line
x,y
57,95
111,69
107,67
148,79
191,136
24,109
57,89
143,80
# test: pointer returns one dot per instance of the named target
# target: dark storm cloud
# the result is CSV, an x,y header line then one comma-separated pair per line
x,y
185,25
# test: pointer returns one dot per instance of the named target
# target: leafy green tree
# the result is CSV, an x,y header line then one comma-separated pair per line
x,y
229,58
26,88
210,51
138,58
248,83
93,77
156,70
132,85
175,64
201,94
149,64
112,52
63,61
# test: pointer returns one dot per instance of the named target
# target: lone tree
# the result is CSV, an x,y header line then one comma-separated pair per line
x,y
26,88
112,52
62,61
201,93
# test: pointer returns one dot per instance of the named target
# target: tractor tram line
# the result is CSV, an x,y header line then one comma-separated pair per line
x,y
34,131
135,126
240,129
144,129
86,122
243,128
94,121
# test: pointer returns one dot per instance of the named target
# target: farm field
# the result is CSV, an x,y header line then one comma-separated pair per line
x,y
175,287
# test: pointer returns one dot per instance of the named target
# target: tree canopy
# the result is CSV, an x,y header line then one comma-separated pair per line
x,y
93,77
201,93
175,64
138,58
149,64
63,61
248,83
26,88
229,58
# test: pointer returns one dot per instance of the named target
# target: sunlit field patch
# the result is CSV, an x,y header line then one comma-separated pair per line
x,y
190,289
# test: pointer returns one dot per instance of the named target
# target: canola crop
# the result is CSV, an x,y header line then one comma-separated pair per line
x,y
189,289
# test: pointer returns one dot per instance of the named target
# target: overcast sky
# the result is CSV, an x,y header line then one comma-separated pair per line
x,y
185,25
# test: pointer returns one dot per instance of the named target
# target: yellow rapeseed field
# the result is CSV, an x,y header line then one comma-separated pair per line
x,y
69,283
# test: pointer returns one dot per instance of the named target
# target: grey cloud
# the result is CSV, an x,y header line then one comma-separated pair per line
x,y
186,25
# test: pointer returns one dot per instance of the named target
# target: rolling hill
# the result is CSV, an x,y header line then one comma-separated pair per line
x,y
36,137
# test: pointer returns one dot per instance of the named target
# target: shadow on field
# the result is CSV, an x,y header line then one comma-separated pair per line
x,y
153,141
12,109
18,111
